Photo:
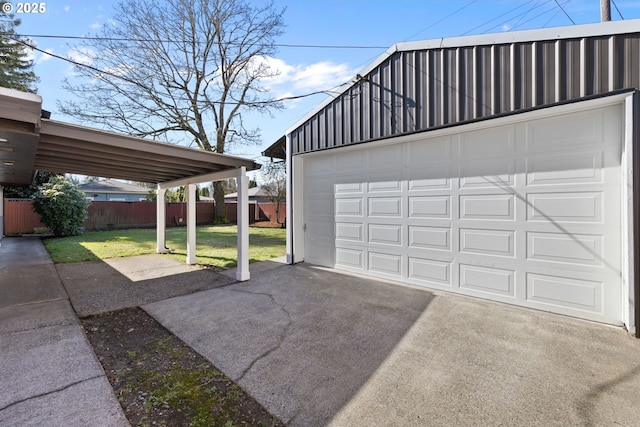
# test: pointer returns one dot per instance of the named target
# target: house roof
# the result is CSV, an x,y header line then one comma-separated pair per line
x,y
253,192
112,186
29,142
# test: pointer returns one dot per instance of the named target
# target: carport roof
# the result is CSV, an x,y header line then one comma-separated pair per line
x,y
29,142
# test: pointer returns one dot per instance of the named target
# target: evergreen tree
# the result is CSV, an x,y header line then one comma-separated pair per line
x,y
16,70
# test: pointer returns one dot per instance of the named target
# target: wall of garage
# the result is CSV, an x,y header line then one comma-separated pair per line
x,y
527,210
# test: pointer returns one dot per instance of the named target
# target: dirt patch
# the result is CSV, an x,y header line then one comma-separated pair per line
x,y
161,381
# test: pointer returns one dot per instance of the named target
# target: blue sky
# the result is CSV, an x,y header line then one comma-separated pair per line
x,y
376,24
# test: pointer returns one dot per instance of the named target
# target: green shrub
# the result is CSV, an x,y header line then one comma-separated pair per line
x,y
62,206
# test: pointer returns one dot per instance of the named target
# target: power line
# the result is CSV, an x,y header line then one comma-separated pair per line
x,y
616,6
441,19
537,16
124,39
565,12
329,91
497,17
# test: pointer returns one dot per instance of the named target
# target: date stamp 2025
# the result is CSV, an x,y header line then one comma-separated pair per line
x,y
24,8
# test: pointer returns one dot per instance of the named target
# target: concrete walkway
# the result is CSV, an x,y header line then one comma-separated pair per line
x,y
49,375
320,348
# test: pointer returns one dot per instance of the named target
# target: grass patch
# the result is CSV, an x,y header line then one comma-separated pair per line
x,y
215,245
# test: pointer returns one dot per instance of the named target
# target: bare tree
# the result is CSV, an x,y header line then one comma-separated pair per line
x,y
275,186
182,70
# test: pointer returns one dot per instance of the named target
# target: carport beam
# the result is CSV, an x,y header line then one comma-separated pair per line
x,y
242,183
161,221
191,224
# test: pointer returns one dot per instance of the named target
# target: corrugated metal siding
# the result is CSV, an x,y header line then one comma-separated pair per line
x,y
422,89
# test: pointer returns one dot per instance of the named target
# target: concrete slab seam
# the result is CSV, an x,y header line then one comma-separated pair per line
x,y
24,304
36,328
51,392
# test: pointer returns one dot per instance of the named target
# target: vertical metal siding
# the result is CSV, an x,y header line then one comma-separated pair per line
x,y
422,89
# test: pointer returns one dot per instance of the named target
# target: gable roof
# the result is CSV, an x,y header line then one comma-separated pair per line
x,y
253,192
112,186
424,85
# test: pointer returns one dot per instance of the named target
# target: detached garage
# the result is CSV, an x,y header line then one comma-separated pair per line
x,y
500,167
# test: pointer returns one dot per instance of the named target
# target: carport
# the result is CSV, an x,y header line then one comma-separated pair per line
x,y
30,141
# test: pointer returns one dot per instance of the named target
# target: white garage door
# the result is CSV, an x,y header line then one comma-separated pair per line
x,y
524,210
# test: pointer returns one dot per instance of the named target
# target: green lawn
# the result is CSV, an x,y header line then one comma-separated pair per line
x,y
216,245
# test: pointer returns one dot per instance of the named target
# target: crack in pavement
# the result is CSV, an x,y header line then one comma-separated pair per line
x,y
50,392
281,336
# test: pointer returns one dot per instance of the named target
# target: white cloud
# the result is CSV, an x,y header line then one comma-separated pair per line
x,y
95,26
81,55
506,27
44,57
303,78
66,8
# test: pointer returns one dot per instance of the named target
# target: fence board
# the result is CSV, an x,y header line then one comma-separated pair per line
x,y
19,217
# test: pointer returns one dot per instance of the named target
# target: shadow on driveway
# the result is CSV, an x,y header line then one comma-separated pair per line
x,y
302,341
99,286
317,348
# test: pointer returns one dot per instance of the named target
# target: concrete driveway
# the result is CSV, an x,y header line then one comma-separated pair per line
x,y
318,348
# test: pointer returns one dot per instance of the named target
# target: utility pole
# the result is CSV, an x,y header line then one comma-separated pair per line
x,y
605,10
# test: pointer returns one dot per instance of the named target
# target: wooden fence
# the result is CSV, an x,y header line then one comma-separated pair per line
x,y
19,217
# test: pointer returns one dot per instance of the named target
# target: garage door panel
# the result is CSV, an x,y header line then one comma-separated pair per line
x,y
427,271
565,207
350,258
490,280
384,207
386,234
386,264
349,188
565,292
485,242
426,237
576,249
436,177
349,206
552,133
488,207
436,207
352,231
495,172
569,168
381,186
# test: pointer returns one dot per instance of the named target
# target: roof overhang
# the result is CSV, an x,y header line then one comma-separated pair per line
x,y
277,150
29,143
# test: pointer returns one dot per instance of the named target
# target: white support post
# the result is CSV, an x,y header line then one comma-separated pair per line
x,y
161,221
191,224
242,183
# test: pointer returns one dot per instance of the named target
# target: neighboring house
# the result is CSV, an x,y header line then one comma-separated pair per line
x,y
111,190
256,194
499,166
